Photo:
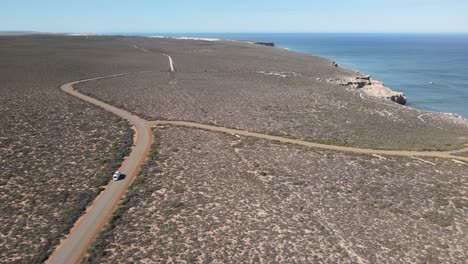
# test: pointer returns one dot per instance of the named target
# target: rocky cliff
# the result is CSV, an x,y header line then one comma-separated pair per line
x,y
371,88
269,44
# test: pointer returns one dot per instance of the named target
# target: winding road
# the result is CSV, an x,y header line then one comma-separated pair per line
x,y
74,246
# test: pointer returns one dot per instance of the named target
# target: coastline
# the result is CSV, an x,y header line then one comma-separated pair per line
x,y
395,59
345,82
374,90
428,68
449,116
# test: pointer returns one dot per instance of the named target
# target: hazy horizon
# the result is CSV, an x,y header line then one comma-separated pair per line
x,y
183,16
225,32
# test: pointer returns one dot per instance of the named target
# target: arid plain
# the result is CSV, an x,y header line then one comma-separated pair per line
x,y
209,197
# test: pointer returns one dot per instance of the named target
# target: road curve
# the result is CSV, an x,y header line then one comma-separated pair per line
x,y
75,245
407,153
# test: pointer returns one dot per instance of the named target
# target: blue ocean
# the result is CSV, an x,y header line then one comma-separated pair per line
x,y
431,69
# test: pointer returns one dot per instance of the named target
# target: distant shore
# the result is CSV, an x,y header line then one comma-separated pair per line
x,y
424,88
395,59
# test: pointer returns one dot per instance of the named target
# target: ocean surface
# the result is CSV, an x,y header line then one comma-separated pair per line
x,y
431,69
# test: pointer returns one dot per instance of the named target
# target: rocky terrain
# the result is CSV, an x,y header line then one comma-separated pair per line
x,y
55,151
371,88
213,198
271,90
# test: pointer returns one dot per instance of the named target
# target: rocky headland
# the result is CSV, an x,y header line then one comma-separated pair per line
x,y
370,87
268,44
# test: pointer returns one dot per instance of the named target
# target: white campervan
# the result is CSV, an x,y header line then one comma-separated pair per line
x,y
116,176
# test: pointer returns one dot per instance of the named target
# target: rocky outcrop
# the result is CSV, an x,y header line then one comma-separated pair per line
x,y
371,88
269,44
400,98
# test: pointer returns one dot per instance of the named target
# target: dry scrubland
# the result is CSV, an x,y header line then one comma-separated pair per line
x,y
55,150
208,197
220,83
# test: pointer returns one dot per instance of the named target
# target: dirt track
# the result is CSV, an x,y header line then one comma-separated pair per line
x,y
74,247
405,153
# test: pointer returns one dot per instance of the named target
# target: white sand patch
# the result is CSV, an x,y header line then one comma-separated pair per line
x,y
425,161
203,39
241,41
279,74
171,63
379,157
420,117
82,34
142,49
186,38
459,162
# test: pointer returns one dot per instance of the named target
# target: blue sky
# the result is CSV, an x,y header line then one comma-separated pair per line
x,y
100,16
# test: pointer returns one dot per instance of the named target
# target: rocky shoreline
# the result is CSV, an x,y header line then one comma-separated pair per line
x,y
364,83
371,88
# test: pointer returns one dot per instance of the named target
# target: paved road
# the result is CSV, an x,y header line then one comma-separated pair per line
x,y
75,245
